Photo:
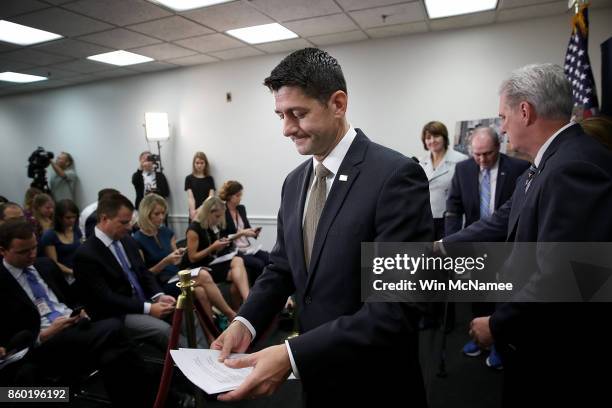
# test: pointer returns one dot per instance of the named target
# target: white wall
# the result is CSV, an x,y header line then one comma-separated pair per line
x,y
395,86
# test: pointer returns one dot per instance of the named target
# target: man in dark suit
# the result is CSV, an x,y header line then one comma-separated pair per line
x,y
351,191
35,300
552,352
479,187
467,196
113,279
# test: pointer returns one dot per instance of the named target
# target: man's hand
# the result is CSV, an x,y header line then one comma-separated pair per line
x,y
59,324
481,332
272,367
170,300
161,309
235,339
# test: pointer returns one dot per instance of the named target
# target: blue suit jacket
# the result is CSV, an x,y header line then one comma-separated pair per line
x,y
346,345
464,196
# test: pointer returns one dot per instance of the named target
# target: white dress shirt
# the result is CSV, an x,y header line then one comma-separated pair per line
x,y
493,178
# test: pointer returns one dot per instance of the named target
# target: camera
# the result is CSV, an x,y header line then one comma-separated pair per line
x,y
156,161
38,161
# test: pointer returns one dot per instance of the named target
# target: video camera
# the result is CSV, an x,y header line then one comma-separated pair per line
x,y
38,162
156,162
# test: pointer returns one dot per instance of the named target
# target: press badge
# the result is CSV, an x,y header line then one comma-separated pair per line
x,y
43,307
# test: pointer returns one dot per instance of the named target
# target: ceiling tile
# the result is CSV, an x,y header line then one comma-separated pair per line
x,y
399,29
79,79
322,25
538,10
50,72
328,39
228,16
193,60
391,15
213,42
113,73
282,46
15,66
163,51
8,47
13,7
350,5
171,28
61,21
58,2
152,66
503,4
119,12
31,56
284,10
120,39
237,53
84,66
72,48
467,20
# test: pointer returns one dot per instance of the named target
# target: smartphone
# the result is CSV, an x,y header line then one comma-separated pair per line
x,y
232,237
258,230
76,311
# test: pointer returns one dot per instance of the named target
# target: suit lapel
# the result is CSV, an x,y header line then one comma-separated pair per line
x,y
304,185
106,257
7,280
336,197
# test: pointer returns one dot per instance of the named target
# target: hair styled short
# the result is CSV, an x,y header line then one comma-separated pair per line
x,y
314,71
437,129
15,229
110,205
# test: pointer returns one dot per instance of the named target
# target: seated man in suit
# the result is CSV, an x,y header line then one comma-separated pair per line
x,y
10,211
114,281
35,300
478,188
89,216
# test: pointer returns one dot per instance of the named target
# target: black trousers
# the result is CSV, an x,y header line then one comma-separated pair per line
x,y
78,350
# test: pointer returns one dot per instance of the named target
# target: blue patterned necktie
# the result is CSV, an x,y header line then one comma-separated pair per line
x,y
40,293
128,272
485,194
530,175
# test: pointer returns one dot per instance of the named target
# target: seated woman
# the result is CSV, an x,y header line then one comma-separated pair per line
x,y
43,207
61,242
237,224
204,243
158,248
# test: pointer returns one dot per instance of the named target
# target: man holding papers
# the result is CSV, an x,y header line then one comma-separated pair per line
x,y
351,190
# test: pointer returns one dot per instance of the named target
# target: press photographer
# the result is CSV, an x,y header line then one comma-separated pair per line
x,y
63,178
149,178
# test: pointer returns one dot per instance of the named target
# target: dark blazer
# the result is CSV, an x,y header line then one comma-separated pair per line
x,y
162,186
100,279
348,350
569,200
464,196
230,225
17,312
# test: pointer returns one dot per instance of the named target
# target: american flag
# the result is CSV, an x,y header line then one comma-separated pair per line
x,y
578,66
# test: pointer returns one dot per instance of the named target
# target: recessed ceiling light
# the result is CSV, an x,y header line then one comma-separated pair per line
x,y
120,58
184,5
20,78
23,35
262,33
447,8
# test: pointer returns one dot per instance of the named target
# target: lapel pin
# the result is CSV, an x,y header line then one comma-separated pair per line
x,y
343,177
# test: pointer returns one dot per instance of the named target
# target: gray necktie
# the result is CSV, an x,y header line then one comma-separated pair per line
x,y
316,202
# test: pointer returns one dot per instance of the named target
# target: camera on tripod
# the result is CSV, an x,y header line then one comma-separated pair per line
x,y
38,162
156,161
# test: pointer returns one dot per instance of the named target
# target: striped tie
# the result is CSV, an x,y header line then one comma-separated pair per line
x,y
485,194
530,175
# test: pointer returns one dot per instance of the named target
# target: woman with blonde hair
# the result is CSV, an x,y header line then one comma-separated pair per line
x,y
199,185
158,248
43,208
204,244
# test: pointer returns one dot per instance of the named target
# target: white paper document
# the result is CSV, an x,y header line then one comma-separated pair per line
x,y
224,258
201,367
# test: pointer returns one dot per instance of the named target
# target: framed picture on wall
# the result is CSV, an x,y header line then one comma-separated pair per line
x,y
464,129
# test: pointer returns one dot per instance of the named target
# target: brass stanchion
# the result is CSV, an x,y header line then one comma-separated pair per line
x,y
184,307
